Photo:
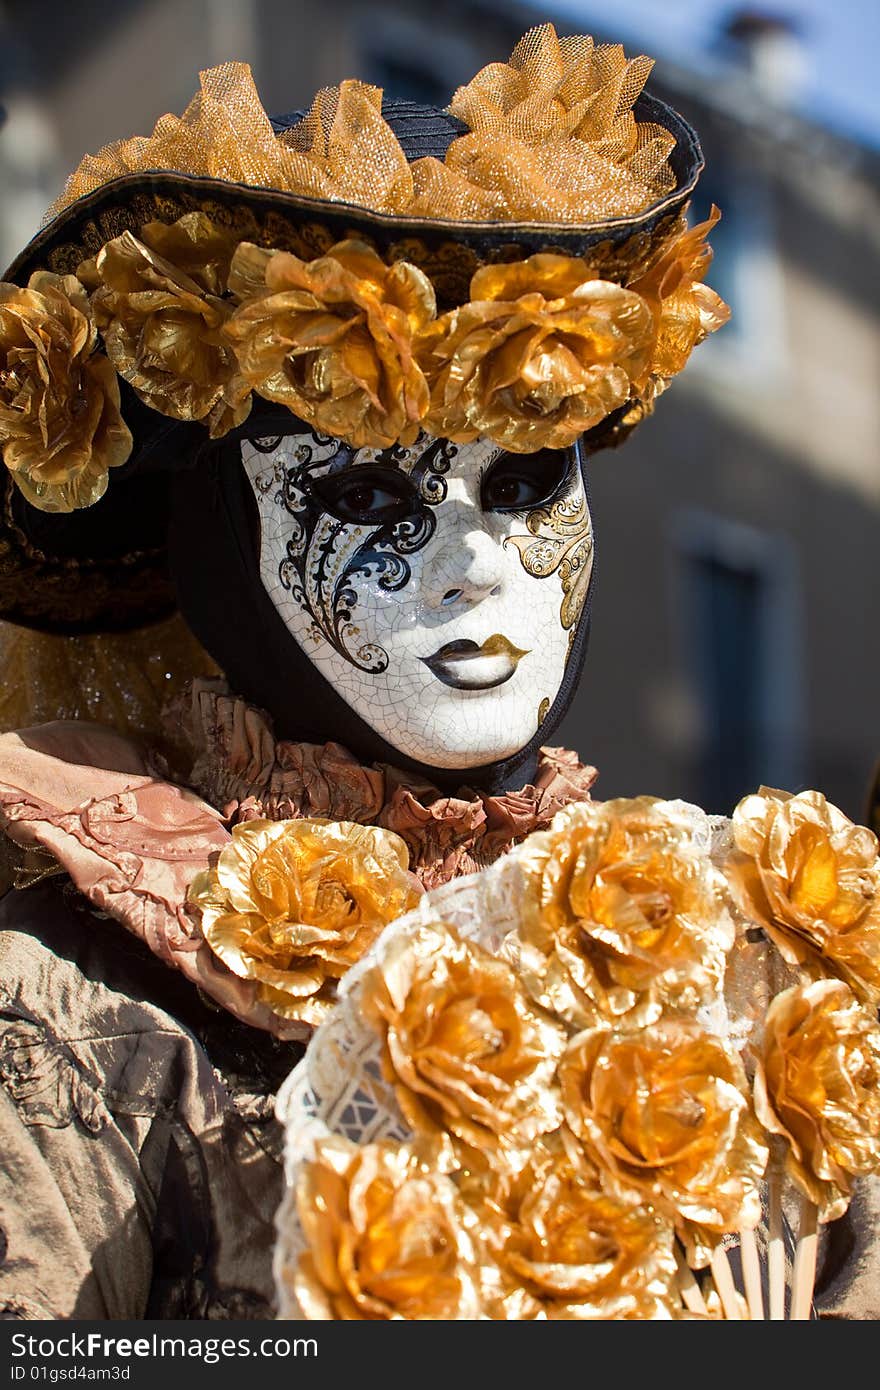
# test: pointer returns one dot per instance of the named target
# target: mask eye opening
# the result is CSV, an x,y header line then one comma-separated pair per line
x,y
517,484
366,495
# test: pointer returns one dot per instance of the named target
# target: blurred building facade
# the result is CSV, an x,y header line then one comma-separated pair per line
x,y
739,530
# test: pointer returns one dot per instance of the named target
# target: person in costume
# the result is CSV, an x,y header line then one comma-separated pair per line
x,y
328,385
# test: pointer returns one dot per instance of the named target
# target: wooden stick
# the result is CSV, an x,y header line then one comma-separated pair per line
x,y
775,1249
723,1276
804,1261
751,1273
691,1296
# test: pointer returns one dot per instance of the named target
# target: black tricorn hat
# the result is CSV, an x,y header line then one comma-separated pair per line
x,y
104,567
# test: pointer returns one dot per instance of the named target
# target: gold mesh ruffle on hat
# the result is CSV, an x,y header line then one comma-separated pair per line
x,y
552,138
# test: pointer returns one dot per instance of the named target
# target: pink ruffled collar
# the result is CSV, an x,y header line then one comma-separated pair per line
x,y
79,797
241,769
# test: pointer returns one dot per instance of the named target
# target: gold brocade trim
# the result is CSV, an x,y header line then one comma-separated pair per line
x,y
567,551
448,263
22,868
246,221
551,137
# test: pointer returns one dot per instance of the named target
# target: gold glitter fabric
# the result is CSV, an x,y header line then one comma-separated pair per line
x,y
552,138
121,680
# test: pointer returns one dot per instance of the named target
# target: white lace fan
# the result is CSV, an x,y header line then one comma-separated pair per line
x,y
340,1089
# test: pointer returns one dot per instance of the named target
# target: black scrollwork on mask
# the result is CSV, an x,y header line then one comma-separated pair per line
x,y
326,559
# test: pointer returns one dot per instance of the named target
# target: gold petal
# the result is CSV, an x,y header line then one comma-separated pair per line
x,y
292,904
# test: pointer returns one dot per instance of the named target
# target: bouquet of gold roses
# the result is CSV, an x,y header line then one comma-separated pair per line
x,y
575,1084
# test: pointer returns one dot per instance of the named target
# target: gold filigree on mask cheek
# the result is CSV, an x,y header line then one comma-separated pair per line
x,y
464,1050
387,1237
566,552
811,878
293,904
817,1086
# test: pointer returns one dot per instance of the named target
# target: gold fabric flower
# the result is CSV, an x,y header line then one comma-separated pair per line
x,y
666,1113
293,904
812,879
159,307
565,1249
817,1085
387,1237
197,246
333,339
623,915
685,310
60,424
461,1046
540,354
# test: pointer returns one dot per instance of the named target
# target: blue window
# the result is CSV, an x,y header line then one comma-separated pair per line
x,y
737,600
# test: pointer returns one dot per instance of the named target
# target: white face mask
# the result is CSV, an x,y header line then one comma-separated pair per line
x,y
437,587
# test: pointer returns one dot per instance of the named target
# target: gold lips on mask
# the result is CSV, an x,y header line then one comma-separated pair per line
x,y
464,665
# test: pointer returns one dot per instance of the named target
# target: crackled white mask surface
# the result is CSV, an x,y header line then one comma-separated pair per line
x,y
436,587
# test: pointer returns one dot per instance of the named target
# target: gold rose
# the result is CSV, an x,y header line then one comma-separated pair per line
x,y
160,304
334,339
811,878
542,352
623,915
665,1111
463,1049
61,428
685,309
561,1247
293,904
387,1236
817,1089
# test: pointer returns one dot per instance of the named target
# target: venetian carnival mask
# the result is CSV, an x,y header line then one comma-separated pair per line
x,y
436,587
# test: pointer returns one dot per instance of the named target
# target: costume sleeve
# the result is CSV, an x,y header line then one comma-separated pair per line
x,y
848,1280
75,1246
133,1183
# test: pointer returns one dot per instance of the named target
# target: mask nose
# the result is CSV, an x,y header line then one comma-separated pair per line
x,y
466,571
